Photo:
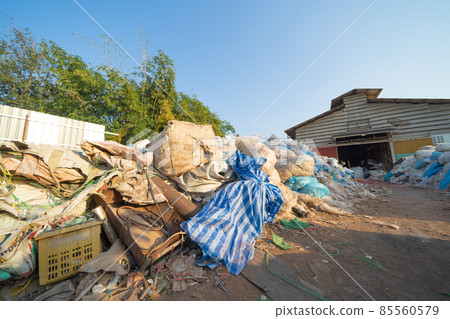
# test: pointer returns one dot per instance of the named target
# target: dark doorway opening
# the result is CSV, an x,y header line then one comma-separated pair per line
x,y
357,155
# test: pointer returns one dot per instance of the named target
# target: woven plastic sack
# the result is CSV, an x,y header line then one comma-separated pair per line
x,y
206,178
303,165
289,198
444,158
423,153
182,146
444,147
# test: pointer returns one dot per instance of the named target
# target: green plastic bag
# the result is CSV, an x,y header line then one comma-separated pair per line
x,y
4,275
294,223
279,242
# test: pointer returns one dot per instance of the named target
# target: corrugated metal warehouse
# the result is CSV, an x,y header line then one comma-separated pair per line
x,y
361,126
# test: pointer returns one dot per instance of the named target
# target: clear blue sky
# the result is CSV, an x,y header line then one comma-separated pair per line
x,y
239,56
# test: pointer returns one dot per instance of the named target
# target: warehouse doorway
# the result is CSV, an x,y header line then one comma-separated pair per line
x,y
359,154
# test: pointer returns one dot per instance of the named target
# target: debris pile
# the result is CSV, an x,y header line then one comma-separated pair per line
x,y
428,167
370,169
112,222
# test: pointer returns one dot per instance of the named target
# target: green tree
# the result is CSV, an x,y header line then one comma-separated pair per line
x,y
44,77
25,80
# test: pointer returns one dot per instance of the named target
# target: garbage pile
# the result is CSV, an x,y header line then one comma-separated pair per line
x,y
370,169
428,167
113,222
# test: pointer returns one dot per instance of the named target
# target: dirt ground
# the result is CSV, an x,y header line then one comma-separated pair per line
x,y
415,258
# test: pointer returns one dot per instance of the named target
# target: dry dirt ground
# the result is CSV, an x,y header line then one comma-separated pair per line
x,y
416,258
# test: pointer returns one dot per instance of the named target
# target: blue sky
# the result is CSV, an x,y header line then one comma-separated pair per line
x,y
239,56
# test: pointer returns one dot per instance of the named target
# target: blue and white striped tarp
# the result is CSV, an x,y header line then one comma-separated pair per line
x,y
229,225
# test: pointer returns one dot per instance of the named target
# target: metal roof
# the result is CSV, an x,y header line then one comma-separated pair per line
x,y
372,97
370,93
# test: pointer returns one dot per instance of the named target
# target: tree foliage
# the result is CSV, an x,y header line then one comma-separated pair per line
x,y
42,76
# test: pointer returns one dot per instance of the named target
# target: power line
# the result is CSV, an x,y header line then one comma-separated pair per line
x,y
132,58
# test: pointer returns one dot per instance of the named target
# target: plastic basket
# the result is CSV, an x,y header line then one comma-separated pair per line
x,y
61,252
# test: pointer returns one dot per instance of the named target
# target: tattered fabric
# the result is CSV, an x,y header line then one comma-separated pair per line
x,y
228,226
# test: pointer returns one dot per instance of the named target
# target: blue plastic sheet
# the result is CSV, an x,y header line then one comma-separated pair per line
x,y
228,226
308,185
445,181
433,169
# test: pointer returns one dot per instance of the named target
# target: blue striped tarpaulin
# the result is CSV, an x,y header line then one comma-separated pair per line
x,y
227,228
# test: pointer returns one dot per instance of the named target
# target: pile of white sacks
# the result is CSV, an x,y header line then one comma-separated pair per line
x,y
190,158
428,167
290,163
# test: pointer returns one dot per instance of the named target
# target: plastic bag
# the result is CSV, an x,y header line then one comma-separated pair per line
x,y
308,185
435,155
359,172
420,163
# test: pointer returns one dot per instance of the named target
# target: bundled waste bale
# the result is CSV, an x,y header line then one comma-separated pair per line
x,y
308,185
443,147
320,205
254,148
286,148
444,158
226,146
182,146
424,152
59,169
377,174
358,171
136,188
206,178
289,202
425,168
303,165
115,155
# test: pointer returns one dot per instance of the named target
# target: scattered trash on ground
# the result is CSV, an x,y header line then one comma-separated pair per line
x,y
113,222
428,167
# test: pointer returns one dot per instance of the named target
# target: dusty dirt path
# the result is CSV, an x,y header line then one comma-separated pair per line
x,y
416,257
